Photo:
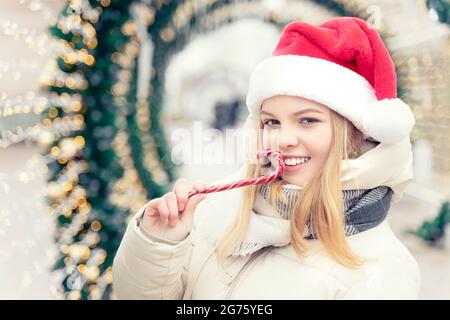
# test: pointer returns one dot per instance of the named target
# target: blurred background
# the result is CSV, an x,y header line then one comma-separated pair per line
x,y
91,92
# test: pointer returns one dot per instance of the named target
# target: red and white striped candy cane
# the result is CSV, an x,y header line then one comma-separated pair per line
x,y
251,181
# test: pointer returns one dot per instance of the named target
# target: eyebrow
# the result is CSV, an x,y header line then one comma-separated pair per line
x,y
295,113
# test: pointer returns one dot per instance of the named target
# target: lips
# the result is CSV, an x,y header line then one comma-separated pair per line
x,y
289,161
292,161
297,167
293,156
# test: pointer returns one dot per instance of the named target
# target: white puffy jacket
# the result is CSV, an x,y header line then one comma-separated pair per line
x,y
146,267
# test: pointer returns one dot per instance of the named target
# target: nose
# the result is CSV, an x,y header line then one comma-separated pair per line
x,y
283,139
287,139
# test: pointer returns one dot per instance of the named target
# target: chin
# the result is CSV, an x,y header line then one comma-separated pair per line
x,y
293,180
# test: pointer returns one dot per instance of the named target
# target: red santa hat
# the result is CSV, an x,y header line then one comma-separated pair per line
x,y
342,64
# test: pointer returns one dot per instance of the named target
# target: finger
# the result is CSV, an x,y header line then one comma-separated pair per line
x,y
193,202
152,207
189,213
171,201
181,190
163,210
199,186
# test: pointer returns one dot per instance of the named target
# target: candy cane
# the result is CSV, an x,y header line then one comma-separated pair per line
x,y
251,181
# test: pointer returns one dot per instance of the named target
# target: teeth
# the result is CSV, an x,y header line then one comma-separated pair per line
x,y
295,161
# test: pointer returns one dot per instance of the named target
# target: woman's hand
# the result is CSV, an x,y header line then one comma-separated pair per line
x,y
171,217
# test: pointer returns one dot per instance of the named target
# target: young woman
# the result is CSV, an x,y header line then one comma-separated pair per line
x,y
326,100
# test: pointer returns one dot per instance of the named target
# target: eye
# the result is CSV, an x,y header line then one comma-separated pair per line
x,y
310,120
270,122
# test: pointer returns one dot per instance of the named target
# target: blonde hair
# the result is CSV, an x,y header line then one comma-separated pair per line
x,y
320,204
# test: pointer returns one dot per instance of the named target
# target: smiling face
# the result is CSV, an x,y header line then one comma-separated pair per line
x,y
297,127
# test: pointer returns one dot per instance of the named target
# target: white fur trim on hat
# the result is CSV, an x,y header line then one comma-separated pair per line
x,y
335,86
388,120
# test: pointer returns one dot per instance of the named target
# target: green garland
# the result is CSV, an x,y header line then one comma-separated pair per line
x,y
442,9
434,230
99,131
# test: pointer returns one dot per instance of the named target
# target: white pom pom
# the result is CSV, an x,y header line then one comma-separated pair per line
x,y
388,120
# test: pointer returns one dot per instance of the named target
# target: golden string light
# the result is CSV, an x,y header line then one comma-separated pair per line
x,y
186,10
31,103
128,191
44,132
58,78
83,260
123,195
34,39
143,116
69,198
39,6
84,9
232,11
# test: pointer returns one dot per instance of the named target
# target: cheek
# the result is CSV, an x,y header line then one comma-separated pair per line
x,y
320,152
321,146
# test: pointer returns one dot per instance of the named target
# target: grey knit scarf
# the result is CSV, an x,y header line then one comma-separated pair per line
x,y
363,209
